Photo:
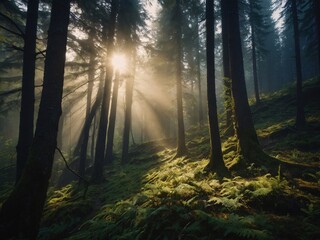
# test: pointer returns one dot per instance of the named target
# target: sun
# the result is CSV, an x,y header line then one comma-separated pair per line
x,y
119,62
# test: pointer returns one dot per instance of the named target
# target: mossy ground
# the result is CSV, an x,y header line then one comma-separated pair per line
x,y
157,196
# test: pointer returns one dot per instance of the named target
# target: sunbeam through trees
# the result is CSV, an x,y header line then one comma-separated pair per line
x,y
163,119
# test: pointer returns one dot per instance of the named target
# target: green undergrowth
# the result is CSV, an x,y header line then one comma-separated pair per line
x,y
156,196
274,120
178,200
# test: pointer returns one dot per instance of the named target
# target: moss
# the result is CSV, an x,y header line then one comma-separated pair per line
x,y
158,197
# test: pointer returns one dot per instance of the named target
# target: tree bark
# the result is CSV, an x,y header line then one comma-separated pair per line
x,y
88,121
128,112
254,58
97,173
21,212
112,120
228,101
317,17
181,146
93,137
199,78
216,160
247,137
27,93
91,74
300,117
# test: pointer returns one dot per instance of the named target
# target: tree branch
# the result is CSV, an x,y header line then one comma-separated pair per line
x,y
12,46
17,48
13,23
10,31
41,52
72,171
81,85
10,92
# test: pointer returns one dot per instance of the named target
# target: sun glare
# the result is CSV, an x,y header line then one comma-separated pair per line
x,y
119,62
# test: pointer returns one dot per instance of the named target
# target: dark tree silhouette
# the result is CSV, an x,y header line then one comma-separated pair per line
x,y
27,93
21,212
316,4
112,119
226,70
300,117
196,10
198,57
216,160
91,74
253,51
97,173
247,136
181,146
130,18
128,116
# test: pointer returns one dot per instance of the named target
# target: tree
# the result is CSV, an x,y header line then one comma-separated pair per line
x,y
21,212
130,19
253,47
181,146
93,111
198,57
247,136
316,6
193,50
27,93
216,160
290,11
127,115
226,70
97,173
112,119
91,74
96,106
300,117
268,49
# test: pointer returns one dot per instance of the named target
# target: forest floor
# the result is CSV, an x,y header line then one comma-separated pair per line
x,y
155,196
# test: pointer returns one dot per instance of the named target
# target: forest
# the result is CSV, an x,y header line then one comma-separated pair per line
x,y
160,119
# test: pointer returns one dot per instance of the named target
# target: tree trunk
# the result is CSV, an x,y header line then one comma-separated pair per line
x,y
27,93
248,141
300,117
128,113
93,137
97,174
216,160
60,130
199,78
21,212
88,121
193,114
254,58
181,148
228,101
317,16
112,120
91,74
142,127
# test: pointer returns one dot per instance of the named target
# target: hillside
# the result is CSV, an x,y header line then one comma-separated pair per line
x,y
158,197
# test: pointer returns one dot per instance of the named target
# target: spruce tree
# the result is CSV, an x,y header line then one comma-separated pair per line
x,y
27,91
21,213
216,160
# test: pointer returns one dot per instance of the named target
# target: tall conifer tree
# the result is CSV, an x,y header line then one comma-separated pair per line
x,y
21,213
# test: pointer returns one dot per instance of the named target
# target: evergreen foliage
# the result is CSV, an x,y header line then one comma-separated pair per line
x,y
252,172
172,199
